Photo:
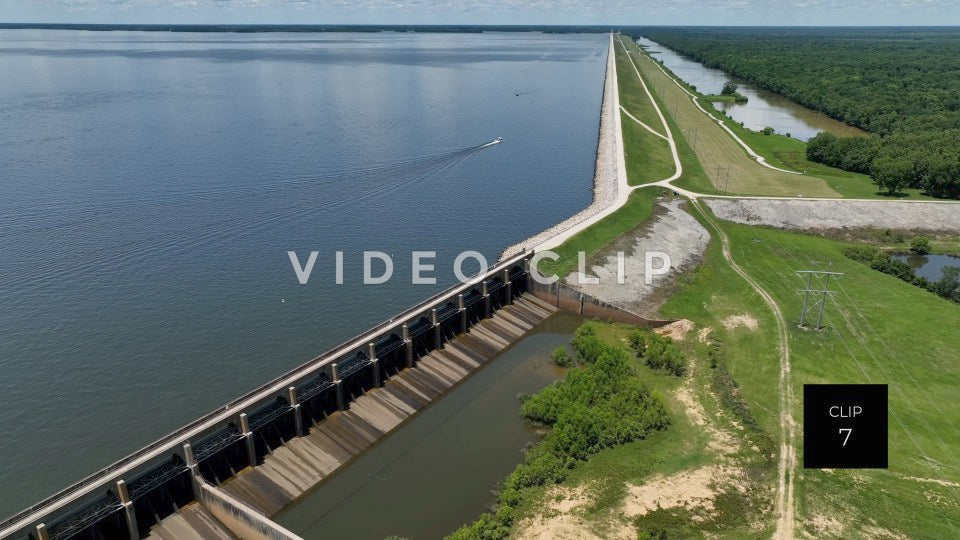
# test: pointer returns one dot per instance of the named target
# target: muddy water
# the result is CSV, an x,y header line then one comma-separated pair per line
x,y
762,109
437,472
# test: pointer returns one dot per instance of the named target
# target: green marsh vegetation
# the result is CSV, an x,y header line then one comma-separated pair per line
x,y
601,405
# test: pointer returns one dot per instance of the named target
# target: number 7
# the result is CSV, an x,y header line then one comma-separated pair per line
x,y
847,438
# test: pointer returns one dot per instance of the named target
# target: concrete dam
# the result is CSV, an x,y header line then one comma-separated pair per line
x,y
222,475
226,473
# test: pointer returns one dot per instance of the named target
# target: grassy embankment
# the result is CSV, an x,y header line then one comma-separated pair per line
x,y
725,162
791,154
648,159
631,215
880,330
647,156
778,150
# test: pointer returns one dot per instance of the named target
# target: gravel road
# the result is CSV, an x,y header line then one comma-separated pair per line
x,y
840,214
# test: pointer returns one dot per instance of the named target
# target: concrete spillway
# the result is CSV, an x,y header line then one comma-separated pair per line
x,y
260,451
301,463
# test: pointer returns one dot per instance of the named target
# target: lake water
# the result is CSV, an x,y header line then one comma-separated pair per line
x,y
929,266
439,470
152,183
762,109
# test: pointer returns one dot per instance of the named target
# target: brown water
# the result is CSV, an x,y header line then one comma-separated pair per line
x,y
762,109
438,471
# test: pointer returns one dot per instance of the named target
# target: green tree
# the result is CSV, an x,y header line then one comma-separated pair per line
x,y
920,245
891,175
729,89
949,285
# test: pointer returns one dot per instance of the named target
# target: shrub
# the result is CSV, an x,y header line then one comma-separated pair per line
x,y
561,357
949,285
768,131
889,265
864,254
659,352
590,409
729,88
586,344
920,245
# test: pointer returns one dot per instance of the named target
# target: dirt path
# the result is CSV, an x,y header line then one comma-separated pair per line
x,y
788,456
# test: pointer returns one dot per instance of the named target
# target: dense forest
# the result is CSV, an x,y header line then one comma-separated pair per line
x,y
900,84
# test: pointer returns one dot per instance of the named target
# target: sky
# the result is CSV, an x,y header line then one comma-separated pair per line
x,y
605,12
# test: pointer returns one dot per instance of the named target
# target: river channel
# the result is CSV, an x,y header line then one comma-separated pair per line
x,y
762,109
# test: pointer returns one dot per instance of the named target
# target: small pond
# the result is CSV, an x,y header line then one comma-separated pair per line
x,y
929,266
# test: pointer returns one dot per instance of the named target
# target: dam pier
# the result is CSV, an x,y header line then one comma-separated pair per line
x,y
332,407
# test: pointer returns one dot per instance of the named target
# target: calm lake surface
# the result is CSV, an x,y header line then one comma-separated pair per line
x,y
762,109
438,471
929,266
152,183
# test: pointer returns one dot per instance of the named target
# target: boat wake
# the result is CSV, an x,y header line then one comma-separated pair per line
x,y
278,202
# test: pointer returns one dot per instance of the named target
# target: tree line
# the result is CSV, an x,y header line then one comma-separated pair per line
x,y
948,286
900,84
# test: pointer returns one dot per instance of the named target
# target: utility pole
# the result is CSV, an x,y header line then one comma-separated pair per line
x,y
823,292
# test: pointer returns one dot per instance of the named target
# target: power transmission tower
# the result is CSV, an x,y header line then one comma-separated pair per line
x,y
823,292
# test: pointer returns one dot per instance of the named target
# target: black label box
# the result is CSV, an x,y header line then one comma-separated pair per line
x,y
845,426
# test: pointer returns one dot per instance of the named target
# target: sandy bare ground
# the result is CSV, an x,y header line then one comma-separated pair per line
x,y
676,330
736,321
827,215
672,231
691,489
562,519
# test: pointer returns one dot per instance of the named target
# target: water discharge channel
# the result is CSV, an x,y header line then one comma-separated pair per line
x,y
762,109
436,472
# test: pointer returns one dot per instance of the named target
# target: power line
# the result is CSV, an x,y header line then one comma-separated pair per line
x,y
824,292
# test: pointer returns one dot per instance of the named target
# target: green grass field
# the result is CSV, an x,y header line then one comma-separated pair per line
x,y
725,162
791,154
648,157
880,330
